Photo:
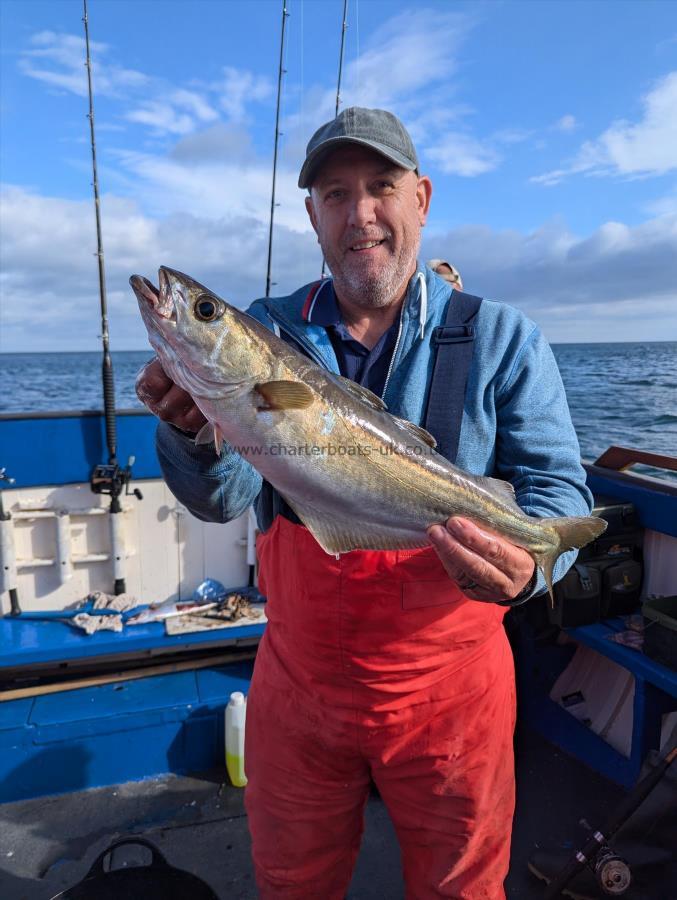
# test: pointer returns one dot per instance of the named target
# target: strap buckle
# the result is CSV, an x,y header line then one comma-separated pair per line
x,y
453,334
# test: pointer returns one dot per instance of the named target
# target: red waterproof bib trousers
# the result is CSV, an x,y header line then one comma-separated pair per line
x,y
375,664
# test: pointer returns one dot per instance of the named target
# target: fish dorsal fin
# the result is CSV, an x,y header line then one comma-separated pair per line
x,y
279,395
416,431
502,489
362,393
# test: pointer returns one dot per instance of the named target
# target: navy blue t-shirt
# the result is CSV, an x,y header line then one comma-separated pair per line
x,y
367,367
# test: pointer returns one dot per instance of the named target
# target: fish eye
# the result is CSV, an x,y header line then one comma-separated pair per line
x,y
207,308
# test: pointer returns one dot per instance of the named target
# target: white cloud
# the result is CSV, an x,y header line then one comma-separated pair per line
x,y
601,287
406,66
459,154
616,284
215,187
178,112
58,60
195,104
409,66
566,124
663,206
406,55
512,135
648,147
162,117
49,284
238,88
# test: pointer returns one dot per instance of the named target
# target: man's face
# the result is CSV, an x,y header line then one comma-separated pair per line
x,y
368,214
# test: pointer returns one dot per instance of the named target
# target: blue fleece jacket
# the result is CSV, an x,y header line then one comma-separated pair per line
x,y
516,423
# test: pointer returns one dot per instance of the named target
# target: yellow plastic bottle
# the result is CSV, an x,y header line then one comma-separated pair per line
x,y
235,719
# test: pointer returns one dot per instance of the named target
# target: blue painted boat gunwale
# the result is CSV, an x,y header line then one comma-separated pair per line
x,y
46,449
28,642
654,499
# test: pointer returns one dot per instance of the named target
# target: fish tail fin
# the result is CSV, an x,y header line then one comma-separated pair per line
x,y
573,532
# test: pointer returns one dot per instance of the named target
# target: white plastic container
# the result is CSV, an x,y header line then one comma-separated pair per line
x,y
235,719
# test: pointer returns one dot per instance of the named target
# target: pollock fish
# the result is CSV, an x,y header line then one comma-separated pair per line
x,y
357,476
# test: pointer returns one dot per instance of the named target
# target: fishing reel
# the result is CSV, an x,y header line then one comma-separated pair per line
x,y
611,870
110,478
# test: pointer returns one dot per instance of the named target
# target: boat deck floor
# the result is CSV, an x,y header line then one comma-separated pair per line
x,y
48,844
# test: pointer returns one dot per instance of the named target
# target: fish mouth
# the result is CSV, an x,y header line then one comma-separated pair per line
x,y
157,300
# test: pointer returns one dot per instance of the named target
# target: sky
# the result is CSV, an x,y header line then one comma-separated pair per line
x,y
549,130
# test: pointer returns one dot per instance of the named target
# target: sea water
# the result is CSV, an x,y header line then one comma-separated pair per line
x,y
623,393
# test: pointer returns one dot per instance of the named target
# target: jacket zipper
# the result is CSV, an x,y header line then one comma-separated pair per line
x,y
395,349
392,358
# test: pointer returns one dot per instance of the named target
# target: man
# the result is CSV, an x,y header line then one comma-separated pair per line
x,y
382,664
447,271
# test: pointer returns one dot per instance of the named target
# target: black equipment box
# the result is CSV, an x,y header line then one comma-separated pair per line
x,y
606,579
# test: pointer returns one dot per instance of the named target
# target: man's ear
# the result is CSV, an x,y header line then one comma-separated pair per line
x,y
424,192
310,209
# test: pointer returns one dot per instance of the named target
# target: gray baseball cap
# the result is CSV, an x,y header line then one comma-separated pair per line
x,y
375,128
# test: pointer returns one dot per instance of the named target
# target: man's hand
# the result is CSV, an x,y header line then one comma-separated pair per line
x,y
484,565
167,400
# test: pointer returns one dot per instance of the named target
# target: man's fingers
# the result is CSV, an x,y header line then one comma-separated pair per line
x,y
486,566
490,547
192,420
448,548
513,561
465,566
152,383
178,407
167,400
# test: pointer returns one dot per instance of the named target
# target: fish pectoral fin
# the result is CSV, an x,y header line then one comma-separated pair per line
x,y
416,431
362,393
339,535
210,433
284,395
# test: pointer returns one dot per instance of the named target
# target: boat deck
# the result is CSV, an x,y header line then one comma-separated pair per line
x,y
49,843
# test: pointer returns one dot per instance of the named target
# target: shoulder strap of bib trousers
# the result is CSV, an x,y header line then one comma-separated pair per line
x,y
454,343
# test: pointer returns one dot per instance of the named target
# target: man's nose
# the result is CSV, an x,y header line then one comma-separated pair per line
x,y
362,211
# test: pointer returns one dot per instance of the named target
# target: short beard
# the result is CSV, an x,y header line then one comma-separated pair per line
x,y
377,291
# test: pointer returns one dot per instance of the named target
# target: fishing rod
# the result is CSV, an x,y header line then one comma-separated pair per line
x,y
280,73
338,87
612,873
107,478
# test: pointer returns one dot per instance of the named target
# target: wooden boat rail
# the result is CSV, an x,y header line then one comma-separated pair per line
x,y
621,458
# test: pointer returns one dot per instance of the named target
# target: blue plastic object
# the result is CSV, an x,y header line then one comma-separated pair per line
x,y
209,591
